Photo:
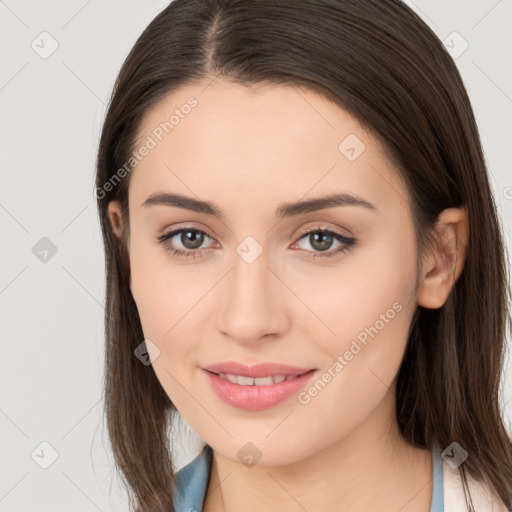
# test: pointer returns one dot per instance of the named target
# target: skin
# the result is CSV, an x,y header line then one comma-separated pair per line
x,y
249,150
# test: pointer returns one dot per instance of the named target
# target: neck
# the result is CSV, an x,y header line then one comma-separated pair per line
x,y
371,469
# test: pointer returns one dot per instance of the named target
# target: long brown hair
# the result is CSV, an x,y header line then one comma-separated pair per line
x,y
379,61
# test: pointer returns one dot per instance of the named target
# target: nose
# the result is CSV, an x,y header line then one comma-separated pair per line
x,y
252,304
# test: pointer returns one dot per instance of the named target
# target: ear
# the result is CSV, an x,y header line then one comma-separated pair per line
x,y
116,221
443,265
116,218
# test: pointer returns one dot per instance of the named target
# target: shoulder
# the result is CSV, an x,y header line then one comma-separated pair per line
x,y
191,481
482,497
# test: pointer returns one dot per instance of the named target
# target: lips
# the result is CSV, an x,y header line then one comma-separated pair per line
x,y
256,387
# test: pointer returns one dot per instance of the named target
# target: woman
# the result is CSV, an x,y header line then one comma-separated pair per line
x,y
304,260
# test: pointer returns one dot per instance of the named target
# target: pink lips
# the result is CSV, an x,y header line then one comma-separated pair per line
x,y
253,397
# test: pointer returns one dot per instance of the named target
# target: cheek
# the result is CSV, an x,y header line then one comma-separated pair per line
x,y
151,287
363,308
359,290
370,310
167,294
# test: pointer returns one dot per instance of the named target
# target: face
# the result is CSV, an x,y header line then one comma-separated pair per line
x,y
328,289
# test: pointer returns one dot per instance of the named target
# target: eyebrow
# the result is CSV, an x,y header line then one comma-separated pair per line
x,y
283,211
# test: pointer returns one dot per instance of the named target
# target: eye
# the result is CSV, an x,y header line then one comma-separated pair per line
x,y
321,239
190,238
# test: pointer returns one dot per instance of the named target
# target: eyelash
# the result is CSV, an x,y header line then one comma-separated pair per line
x,y
348,242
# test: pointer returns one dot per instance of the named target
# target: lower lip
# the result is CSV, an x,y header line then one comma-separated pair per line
x,y
256,398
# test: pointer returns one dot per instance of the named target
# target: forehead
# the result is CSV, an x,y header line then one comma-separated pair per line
x,y
273,140
223,108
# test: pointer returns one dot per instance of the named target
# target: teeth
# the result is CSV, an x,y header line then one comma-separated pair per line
x,y
262,381
245,381
231,378
259,381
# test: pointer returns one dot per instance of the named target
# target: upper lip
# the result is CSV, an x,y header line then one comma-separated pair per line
x,y
255,370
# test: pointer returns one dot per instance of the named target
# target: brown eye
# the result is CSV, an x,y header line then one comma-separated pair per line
x,y
184,241
191,239
321,240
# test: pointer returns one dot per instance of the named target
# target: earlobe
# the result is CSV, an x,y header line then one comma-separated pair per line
x,y
443,265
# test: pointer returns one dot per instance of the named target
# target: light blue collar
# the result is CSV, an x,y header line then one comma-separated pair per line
x,y
191,482
437,482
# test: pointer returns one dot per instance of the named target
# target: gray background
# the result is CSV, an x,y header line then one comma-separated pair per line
x,y
52,311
